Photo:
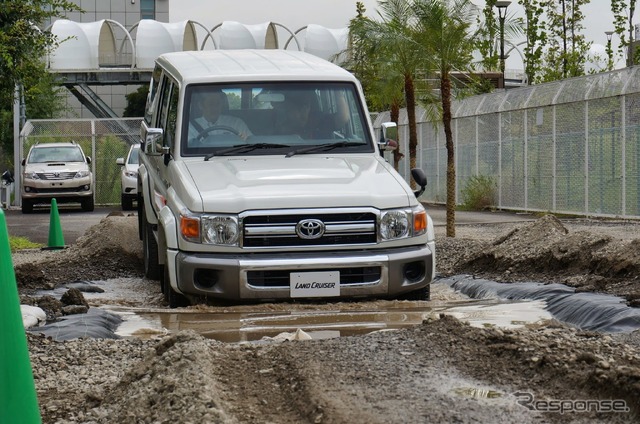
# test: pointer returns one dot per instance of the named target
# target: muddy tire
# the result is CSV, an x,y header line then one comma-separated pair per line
x,y
152,268
420,294
174,299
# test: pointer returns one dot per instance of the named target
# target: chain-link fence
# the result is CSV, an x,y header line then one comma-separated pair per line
x,y
104,140
571,146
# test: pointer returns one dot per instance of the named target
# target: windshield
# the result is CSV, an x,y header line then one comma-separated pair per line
x,y
56,154
133,157
275,117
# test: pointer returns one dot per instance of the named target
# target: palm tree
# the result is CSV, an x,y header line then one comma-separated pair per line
x,y
383,86
444,30
390,44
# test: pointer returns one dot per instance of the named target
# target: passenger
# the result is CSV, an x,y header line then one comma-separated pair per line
x,y
211,120
298,116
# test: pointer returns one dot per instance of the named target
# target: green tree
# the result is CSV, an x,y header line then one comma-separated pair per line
x,y
623,11
566,47
22,48
382,86
488,34
391,46
445,32
136,102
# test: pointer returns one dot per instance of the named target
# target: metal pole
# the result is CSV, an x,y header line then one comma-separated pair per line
x,y
502,14
609,34
17,170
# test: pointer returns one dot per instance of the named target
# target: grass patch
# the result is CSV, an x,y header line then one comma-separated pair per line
x,y
479,193
19,243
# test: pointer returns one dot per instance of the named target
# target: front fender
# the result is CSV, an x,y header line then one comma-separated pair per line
x,y
168,237
145,190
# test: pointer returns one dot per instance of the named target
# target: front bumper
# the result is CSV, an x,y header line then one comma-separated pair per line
x,y
363,273
129,186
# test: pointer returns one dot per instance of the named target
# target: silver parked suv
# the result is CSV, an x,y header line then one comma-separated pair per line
x,y
56,170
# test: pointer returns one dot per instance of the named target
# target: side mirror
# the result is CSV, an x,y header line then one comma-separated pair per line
x,y
151,139
89,160
7,177
421,179
120,161
388,136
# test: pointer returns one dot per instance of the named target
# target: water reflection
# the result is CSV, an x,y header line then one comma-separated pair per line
x,y
251,323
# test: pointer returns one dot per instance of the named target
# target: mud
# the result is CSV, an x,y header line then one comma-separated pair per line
x,y
442,369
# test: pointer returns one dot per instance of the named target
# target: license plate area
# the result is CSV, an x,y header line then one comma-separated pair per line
x,y
314,284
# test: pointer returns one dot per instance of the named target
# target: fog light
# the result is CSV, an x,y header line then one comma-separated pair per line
x,y
414,271
206,278
27,189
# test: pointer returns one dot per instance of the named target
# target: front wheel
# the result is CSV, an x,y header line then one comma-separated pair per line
x,y
173,298
126,202
27,206
87,204
420,294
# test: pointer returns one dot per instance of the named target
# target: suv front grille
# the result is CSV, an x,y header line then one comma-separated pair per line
x,y
56,175
347,228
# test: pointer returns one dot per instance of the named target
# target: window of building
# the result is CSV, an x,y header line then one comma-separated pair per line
x,y
147,9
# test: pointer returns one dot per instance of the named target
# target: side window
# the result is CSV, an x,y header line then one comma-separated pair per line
x,y
172,116
165,95
151,97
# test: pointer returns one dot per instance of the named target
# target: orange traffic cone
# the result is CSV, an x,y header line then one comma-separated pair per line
x,y
18,399
56,239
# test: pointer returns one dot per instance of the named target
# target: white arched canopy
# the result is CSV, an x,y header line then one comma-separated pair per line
x,y
154,38
234,35
326,42
85,45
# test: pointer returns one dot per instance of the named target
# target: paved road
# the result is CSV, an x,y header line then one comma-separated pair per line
x,y
35,226
75,222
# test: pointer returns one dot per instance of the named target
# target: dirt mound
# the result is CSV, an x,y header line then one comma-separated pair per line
x,y
154,392
546,250
109,249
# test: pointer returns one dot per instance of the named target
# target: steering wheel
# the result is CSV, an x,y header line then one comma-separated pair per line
x,y
202,134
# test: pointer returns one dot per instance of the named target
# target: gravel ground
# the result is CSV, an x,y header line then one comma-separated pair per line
x,y
442,370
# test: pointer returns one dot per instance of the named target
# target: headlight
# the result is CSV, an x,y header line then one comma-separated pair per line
x,y
220,230
211,229
81,174
31,176
394,225
401,223
131,174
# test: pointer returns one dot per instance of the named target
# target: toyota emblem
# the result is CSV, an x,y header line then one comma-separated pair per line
x,y
310,229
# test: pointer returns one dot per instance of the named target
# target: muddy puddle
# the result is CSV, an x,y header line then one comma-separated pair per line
x,y
134,308
287,321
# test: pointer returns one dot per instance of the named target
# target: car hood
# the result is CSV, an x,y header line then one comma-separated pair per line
x,y
56,167
233,185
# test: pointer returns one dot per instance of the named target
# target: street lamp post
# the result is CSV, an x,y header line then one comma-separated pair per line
x,y
502,14
609,34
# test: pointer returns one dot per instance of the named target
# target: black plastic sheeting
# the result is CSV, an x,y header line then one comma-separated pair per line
x,y
96,323
584,310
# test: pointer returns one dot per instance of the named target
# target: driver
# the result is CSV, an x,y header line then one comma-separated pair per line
x,y
210,105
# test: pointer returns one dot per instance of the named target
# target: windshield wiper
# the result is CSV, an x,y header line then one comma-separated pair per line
x,y
244,148
324,147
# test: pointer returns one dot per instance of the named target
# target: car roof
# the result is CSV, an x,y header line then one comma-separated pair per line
x,y
57,144
248,65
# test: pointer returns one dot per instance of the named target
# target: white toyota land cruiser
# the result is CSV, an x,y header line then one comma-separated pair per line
x,y
260,179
